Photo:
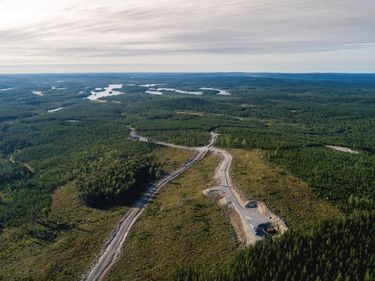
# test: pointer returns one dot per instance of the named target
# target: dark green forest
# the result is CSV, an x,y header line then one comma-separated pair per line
x,y
58,151
347,180
118,181
337,251
291,117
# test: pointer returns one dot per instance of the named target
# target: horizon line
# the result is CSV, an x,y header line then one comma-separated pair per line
x,y
188,72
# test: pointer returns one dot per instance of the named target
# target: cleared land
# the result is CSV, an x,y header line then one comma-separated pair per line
x,y
71,251
113,248
180,227
172,158
251,218
288,196
65,258
342,149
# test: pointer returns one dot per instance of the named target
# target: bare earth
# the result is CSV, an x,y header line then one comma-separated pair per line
x,y
342,149
250,215
113,248
246,219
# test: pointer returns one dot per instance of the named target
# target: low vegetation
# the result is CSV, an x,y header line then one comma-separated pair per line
x,y
67,152
288,196
277,127
62,245
181,227
329,252
345,179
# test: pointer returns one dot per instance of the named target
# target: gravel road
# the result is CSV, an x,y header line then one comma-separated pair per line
x,y
250,215
113,248
251,218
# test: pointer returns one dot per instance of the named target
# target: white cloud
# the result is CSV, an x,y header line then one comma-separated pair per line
x,y
173,32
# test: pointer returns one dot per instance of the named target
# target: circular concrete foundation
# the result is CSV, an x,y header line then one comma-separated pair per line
x,y
269,229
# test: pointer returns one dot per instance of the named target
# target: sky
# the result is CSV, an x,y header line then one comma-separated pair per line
x,y
187,36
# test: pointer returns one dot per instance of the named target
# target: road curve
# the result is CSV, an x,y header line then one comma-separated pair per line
x,y
109,256
251,216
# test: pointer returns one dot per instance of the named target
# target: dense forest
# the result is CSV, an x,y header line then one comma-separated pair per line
x,y
337,251
345,179
119,181
291,117
40,152
57,151
12,171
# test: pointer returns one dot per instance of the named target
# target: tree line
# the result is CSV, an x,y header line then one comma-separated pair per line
x,y
121,181
334,251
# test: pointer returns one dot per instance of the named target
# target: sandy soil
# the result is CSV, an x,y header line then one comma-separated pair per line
x,y
244,217
114,244
251,215
342,149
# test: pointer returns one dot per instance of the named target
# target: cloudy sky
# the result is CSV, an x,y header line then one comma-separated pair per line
x,y
187,35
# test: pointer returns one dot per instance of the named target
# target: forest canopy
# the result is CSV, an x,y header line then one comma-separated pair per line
x,y
119,181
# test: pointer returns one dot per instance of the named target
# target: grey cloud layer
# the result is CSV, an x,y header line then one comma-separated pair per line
x,y
164,27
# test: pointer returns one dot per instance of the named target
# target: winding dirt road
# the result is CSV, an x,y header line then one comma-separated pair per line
x,y
251,216
114,245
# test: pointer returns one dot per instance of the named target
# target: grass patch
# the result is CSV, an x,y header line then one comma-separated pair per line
x,y
180,228
287,195
71,251
171,158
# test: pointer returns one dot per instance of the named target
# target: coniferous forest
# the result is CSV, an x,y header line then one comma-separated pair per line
x,y
336,251
81,156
